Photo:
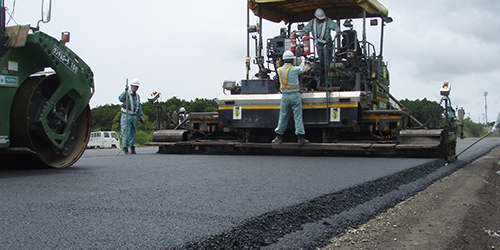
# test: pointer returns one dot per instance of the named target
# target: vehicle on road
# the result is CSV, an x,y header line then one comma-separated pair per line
x,y
104,139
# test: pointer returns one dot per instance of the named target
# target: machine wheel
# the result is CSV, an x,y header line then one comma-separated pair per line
x,y
28,132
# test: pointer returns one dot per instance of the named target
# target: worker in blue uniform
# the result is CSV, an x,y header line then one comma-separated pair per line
x,y
291,102
131,112
321,26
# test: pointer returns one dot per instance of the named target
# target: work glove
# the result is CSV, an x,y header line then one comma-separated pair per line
x,y
126,87
142,120
494,130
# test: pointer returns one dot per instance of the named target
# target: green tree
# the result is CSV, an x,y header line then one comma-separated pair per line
x,y
472,129
102,115
116,123
424,110
174,104
203,105
148,109
107,117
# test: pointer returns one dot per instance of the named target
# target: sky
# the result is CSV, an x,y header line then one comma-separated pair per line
x,y
188,48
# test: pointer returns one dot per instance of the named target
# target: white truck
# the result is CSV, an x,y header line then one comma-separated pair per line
x,y
104,139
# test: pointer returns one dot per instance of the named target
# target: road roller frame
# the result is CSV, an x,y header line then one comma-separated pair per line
x,y
45,89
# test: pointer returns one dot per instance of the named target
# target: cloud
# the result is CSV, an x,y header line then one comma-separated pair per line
x,y
435,41
187,49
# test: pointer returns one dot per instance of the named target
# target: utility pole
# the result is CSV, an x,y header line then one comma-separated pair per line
x,y
486,109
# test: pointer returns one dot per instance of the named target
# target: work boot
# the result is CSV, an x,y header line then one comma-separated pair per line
x,y
301,141
125,151
278,139
132,150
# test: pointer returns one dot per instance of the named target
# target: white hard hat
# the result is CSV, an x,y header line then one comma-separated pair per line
x,y
288,55
182,110
320,14
135,82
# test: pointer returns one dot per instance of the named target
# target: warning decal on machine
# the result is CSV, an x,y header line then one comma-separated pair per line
x,y
237,113
9,79
335,114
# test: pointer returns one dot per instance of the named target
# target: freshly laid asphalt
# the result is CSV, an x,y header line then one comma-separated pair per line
x,y
157,201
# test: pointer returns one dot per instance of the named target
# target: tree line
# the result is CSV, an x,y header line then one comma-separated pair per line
x,y
107,117
433,112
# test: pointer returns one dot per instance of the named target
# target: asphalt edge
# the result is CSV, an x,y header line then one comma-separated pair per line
x,y
312,223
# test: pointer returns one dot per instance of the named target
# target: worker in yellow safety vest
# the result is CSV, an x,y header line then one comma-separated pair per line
x,y
290,99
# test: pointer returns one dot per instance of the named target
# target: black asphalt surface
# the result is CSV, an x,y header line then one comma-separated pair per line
x,y
154,201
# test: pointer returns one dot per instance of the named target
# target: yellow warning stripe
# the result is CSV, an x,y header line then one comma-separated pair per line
x,y
349,105
384,117
382,99
250,107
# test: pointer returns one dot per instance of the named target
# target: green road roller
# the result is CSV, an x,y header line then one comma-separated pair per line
x,y
45,89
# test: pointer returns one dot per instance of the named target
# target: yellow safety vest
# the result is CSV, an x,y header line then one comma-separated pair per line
x,y
284,84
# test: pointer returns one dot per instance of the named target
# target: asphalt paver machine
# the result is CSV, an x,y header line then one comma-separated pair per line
x,y
347,105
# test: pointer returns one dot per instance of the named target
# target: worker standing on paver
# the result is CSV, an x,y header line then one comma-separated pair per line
x,y
131,111
290,100
321,26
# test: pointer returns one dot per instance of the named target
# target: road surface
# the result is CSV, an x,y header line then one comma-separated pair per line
x,y
150,200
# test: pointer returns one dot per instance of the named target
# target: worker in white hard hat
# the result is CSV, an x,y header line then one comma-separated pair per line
x,y
131,112
291,101
182,114
321,27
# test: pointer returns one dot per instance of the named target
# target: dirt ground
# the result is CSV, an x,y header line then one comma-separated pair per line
x,y
462,211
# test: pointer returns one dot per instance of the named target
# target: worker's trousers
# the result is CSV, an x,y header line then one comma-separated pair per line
x,y
290,102
325,54
128,139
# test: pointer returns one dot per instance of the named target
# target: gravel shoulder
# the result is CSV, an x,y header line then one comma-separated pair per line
x,y
461,211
